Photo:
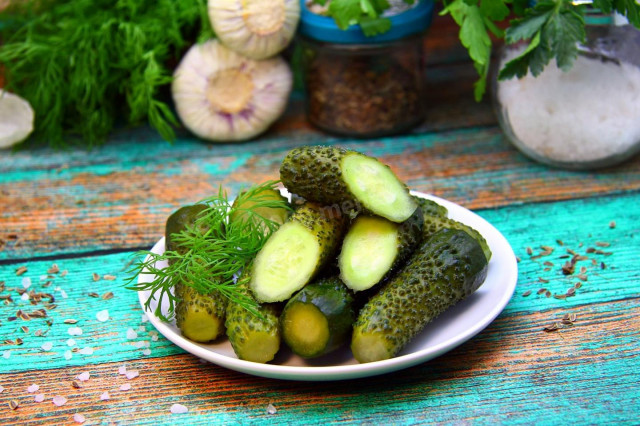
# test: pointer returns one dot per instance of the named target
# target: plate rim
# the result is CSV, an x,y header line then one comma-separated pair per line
x,y
351,371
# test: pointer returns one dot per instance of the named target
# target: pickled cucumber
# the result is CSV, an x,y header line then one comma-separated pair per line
x,y
374,247
430,207
253,337
255,209
296,252
433,224
180,220
199,317
445,269
346,180
318,319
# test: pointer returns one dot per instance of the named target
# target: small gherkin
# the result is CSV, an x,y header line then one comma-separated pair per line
x,y
447,268
200,317
346,180
253,336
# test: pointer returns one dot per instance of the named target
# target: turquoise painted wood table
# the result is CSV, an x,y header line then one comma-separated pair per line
x,y
72,221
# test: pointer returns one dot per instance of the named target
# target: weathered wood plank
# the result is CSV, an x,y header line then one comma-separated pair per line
x,y
524,226
531,375
120,196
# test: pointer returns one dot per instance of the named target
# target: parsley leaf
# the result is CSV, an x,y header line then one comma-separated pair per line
x,y
374,26
345,12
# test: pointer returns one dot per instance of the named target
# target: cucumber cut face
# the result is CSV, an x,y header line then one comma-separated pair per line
x,y
368,252
200,326
285,264
377,188
305,329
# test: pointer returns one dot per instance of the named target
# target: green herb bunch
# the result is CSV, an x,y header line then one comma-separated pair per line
x,y
551,29
85,65
210,254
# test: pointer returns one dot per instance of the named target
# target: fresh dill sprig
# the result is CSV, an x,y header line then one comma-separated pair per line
x,y
211,253
87,65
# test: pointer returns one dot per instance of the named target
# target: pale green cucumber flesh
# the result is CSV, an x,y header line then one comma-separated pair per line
x,y
285,264
305,329
258,346
201,326
375,186
368,252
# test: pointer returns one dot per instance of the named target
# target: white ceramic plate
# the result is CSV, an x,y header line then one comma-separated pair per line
x,y
455,326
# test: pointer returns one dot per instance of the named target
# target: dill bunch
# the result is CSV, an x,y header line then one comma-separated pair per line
x,y
88,65
211,253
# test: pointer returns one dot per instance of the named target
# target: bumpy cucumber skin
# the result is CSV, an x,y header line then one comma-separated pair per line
x,y
314,172
430,207
178,221
328,225
445,269
335,301
191,301
433,224
240,324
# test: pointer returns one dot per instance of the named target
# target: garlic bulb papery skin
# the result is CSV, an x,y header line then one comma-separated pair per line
x,y
257,29
16,119
222,96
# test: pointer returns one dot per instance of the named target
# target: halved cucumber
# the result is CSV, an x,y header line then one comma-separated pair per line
x,y
296,252
374,247
318,318
346,180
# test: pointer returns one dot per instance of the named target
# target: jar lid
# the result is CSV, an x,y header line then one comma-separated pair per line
x,y
323,28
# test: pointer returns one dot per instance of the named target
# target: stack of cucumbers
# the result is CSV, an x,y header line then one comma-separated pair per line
x,y
359,260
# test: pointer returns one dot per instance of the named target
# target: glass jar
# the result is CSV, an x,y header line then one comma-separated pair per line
x,y
365,86
585,118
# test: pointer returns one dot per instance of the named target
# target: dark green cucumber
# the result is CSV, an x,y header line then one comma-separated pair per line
x,y
318,319
295,253
375,247
249,209
199,317
445,269
346,180
433,224
253,337
180,220
430,207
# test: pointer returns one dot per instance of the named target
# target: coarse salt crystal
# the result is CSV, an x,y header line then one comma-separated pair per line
x,y
125,387
179,409
102,316
43,277
142,328
1,388
71,342
75,331
139,344
39,397
146,352
63,294
132,374
154,338
271,409
105,396
86,351
59,401
131,334
24,297
145,318
6,354
122,370
46,346
33,388
26,282
83,377
79,418
67,355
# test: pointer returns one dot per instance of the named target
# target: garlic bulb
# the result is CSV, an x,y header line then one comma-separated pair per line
x,y
257,29
223,96
16,119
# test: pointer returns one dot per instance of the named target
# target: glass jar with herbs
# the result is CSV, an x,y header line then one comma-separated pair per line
x,y
586,116
363,85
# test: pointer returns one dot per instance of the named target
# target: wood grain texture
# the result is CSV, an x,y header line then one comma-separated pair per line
x,y
530,377
119,196
512,372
